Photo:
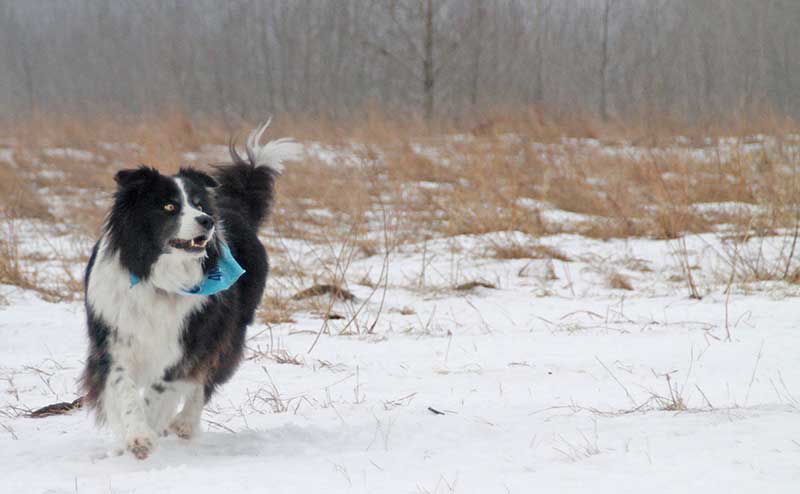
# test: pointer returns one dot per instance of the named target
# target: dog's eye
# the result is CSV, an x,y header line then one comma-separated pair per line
x,y
169,207
198,206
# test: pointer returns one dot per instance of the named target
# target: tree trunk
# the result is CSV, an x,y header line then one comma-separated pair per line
x,y
476,60
604,63
428,81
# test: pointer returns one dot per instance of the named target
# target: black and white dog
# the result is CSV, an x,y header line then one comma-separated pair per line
x,y
171,287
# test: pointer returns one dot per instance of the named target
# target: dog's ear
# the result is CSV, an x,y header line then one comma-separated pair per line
x,y
135,176
199,177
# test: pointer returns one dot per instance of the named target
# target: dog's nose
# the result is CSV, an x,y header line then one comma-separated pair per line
x,y
205,221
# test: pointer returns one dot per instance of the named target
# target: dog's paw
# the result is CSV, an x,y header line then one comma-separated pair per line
x,y
182,428
141,445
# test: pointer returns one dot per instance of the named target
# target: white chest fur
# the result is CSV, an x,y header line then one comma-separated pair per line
x,y
147,322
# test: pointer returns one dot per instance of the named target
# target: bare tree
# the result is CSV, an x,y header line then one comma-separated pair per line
x,y
607,6
439,58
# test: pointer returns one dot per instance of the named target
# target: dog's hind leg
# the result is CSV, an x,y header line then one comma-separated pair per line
x,y
125,413
187,423
161,401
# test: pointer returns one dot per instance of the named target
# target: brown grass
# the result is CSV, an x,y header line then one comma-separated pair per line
x,y
471,285
516,250
473,185
17,198
12,271
275,310
618,281
334,291
499,172
17,269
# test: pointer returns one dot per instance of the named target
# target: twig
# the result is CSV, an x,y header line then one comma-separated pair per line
x,y
10,431
221,426
753,375
633,402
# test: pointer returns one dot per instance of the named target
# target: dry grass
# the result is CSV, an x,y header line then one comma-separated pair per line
x,y
471,285
618,281
458,186
275,310
501,172
512,249
674,400
17,198
12,271
21,270
318,290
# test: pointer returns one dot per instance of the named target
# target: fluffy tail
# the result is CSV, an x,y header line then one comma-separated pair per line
x,y
247,184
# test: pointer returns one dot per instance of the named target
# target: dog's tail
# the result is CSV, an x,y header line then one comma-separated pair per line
x,y
248,184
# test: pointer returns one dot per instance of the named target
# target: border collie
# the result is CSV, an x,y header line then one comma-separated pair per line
x,y
171,286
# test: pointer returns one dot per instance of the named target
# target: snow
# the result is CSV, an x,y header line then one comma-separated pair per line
x,y
120,146
348,156
75,154
729,207
208,154
552,381
7,155
556,391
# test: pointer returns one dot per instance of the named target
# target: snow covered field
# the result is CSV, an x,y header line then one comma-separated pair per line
x,y
583,366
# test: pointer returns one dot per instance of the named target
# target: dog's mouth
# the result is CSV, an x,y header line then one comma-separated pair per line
x,y
196,244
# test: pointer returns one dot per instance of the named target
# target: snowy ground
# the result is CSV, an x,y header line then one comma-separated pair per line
x,y
549,382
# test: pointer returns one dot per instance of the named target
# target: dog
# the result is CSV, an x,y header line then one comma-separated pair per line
x,y
170,288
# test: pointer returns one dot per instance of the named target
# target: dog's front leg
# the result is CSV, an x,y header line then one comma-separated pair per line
x,y
126,414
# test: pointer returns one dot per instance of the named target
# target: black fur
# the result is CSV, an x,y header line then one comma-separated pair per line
x,y
246,180
239,197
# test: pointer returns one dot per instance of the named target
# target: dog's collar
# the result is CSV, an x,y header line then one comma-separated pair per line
x,y
219,278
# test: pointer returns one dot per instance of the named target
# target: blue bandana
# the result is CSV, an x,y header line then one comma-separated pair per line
x,y
219,278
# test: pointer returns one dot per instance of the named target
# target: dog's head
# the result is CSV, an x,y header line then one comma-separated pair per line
x,y
156,215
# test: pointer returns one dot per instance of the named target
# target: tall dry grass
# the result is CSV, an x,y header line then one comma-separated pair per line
x,y
496,172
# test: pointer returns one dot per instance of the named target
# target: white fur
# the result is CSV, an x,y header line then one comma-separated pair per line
x,y
162,404
176,270
161,407
187,423
273,153
188,227
147,320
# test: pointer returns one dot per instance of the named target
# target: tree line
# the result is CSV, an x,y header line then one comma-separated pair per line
x,y
686,59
